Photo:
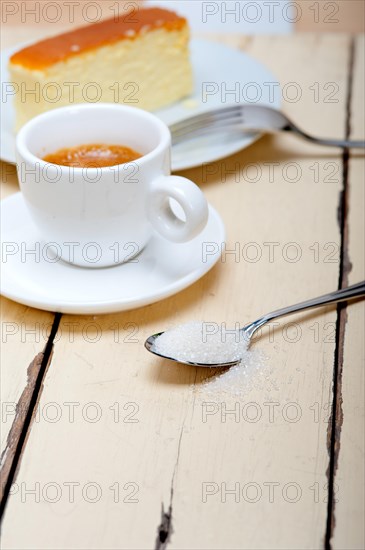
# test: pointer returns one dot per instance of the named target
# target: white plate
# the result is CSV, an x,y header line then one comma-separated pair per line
x,y
161,270
226,67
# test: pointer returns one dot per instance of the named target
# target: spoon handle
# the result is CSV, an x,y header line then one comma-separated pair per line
x,y
341,295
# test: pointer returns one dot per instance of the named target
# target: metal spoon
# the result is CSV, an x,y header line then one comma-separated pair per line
x,y
344,294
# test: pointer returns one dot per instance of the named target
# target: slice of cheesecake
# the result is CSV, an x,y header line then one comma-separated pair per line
x,y
140,59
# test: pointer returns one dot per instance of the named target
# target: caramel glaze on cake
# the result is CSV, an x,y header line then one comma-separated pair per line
x,y
141,59
59,48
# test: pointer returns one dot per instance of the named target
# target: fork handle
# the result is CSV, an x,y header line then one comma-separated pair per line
x,y
351,292
354,144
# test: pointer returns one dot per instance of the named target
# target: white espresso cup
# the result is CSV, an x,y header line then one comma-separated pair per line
x,y
98,217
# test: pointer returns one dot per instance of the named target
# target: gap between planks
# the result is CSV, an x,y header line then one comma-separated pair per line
x,y
336,419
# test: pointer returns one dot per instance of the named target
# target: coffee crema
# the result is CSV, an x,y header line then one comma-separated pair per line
x,y
93,156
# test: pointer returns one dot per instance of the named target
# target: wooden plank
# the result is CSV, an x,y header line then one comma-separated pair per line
x,y
24,334
349,479
168,456
21,414
340,16
279,452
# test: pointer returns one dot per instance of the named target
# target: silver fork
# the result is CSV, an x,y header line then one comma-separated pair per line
x,y
242,117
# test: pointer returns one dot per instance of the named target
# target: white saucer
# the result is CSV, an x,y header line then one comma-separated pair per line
x,y
212,62
161,270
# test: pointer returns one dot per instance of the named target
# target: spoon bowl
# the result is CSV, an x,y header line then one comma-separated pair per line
x,y
351,292
149,345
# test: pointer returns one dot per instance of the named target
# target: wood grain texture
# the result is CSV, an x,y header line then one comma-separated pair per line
x,y
21,410
134,436
273,454
349,479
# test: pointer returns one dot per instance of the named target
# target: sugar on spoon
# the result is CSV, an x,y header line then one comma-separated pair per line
x,y
351,292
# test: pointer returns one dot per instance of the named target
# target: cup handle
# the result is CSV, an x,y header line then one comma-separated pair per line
x,y
188,196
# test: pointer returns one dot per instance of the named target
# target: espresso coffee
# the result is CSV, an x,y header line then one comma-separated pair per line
x,y
103,211
93,156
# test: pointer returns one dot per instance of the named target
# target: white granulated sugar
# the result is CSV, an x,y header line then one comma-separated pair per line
x,y
211,343
201,342
251,374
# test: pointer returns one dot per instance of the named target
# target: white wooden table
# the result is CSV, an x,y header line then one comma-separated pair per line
x,y
107,447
